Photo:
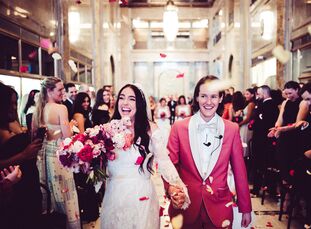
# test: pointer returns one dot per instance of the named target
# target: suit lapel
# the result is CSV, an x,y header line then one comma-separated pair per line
x,y
193,141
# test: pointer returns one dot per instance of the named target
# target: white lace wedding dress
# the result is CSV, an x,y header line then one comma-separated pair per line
x,y
130,199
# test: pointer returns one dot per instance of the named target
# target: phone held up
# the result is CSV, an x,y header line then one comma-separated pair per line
x,y
41,131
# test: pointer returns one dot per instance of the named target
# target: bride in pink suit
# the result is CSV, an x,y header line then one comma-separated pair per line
x,y
130,199
202,147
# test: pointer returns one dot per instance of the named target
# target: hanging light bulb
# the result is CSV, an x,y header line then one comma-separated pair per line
x,y
170,21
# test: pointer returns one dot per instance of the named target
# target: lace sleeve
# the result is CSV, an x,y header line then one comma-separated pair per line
x,y
166,168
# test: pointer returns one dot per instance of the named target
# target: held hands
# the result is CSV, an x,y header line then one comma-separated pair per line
x,y
14,174
246,219
177,195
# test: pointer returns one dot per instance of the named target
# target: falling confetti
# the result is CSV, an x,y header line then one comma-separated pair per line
x,y
162,55
181,75
211,179
56,56
45,43
269,224
281,54
139,160
73,66
225,223
219,85
292,172
161,211
229,204
177,221
308,172
143,198
209,189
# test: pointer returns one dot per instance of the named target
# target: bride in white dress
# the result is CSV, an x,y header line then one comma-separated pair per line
x,y
130,199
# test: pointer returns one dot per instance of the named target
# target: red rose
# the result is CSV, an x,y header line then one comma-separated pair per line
x,y
162,115
85,154
79,137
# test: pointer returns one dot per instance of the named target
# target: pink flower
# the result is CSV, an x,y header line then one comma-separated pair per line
x,y
128,141
85,154
111,156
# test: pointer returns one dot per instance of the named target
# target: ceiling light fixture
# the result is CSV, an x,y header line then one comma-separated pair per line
x,y
170,21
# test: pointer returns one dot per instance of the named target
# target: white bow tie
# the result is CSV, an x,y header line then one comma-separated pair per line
x,y
210,126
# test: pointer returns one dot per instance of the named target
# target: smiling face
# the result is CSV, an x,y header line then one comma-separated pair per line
x,y
208,101
307,97
86,104
106,96
291,94
57,93
248,96
127,103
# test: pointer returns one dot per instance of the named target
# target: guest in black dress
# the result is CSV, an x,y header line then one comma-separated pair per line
x,y
87,197
293,110
23,208
100,113
30,107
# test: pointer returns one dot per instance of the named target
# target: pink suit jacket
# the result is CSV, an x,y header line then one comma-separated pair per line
x,y
214,203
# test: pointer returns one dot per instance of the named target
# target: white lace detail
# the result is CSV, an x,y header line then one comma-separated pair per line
x,y
166,168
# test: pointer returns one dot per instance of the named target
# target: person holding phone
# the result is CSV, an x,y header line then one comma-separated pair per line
x,y
23,208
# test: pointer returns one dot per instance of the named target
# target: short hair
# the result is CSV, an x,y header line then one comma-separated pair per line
x,y
266,89
306,87
69,85
203,80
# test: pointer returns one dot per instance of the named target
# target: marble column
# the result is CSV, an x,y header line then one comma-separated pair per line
x,y
97,18
63,44
280,37
245,45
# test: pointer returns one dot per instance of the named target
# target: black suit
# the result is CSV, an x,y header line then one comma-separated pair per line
x,y
172,106
263,147
69,106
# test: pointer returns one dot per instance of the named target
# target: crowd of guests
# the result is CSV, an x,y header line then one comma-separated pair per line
x,y
274,129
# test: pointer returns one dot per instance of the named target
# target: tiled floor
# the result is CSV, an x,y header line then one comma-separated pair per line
x,y
265,216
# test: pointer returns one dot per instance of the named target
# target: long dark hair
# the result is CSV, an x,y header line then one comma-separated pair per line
x,y
238,101
77,105
252,91
179,100
203,80
99,99
30,100
7,113
141,125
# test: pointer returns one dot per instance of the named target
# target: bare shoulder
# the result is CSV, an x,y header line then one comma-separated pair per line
x,y
303,104
58,107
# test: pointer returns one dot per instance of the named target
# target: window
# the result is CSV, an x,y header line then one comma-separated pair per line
x,y
74,75
30,60
9,53
47,64
82,76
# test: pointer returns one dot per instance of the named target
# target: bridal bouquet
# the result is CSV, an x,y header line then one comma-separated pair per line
x,y
88,152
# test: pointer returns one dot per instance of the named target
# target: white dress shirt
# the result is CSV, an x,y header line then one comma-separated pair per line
x,y
207,141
